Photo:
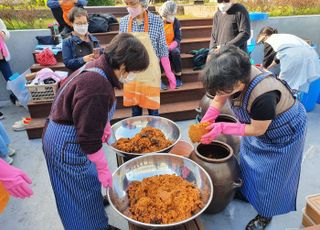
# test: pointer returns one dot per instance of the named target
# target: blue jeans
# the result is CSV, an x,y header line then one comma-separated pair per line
x,y
5,69
137,111
4,141
175,60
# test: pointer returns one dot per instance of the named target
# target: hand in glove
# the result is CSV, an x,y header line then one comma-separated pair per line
x,y
15,180
217,129
106,133
173,45
167,69
211,115
104,174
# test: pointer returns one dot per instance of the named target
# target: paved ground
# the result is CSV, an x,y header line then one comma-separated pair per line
x,y
39,212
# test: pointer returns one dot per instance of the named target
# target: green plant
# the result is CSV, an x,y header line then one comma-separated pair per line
x,y
101,2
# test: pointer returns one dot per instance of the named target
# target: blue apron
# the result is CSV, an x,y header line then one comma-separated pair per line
x,y
270,164
74,178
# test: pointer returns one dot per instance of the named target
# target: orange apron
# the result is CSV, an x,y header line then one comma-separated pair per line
x,y
169,32
66,8
144,91
4,197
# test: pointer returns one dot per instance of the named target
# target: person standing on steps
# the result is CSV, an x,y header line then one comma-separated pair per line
x,y
144,91
231,26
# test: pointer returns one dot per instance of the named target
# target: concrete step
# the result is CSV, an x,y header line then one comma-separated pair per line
x,y
175,111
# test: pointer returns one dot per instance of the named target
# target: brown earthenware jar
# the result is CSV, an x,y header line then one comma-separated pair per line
x,y
218,160
232,140
205,103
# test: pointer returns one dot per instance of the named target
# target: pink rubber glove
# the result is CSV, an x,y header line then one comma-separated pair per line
x,y
167,69
211,115
106,133
173,45
217,129
104,174
15,180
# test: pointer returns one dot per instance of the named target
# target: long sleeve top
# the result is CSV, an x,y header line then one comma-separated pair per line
x,y
52,4
71,47
231,28
156,32
86,103
177,30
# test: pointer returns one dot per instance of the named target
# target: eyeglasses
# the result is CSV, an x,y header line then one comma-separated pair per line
x,y
225,1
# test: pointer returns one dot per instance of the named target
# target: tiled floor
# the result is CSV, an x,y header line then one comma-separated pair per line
x,y
39,212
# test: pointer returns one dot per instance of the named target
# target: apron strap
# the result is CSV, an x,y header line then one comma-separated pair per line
x,y
146,22
81,70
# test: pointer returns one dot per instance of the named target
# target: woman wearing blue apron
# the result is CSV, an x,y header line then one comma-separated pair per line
x,y
272,124
72,140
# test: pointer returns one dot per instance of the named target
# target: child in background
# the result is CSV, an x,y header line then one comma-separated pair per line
x,y
172,31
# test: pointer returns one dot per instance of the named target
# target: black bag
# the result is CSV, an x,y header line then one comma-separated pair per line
x,y
99,23
199,59
45,40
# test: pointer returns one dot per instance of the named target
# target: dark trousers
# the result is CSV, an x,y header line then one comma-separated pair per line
x,y
58,15
175,60
137,111
5,69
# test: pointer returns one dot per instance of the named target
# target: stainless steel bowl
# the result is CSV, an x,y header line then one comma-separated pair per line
x,y
157,164
129,127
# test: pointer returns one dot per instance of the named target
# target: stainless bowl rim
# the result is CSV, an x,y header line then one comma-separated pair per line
x,y
163,225
140,154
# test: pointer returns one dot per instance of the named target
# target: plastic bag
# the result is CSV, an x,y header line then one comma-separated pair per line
x,y
17,84
46,58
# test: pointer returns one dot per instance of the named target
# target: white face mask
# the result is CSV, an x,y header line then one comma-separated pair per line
x,y
129,78
81,29
170,18
224,7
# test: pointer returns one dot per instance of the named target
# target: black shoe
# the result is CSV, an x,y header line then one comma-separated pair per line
x,y
13,98
110,227
258,223
1,116
105,201
240,196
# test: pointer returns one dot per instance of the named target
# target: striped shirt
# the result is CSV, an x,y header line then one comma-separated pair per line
x,y
156,32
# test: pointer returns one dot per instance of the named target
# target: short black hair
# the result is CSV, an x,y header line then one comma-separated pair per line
x,y
226,67
268,30
77,12
128,50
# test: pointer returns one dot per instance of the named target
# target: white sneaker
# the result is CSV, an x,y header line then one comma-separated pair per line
x,y
8,159
20,125
11,151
